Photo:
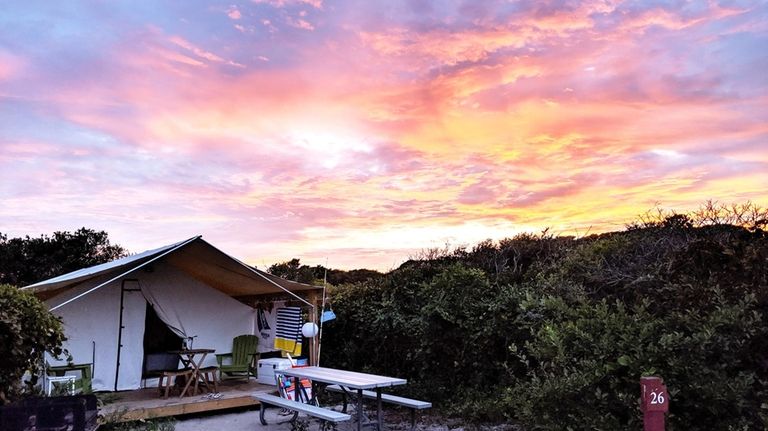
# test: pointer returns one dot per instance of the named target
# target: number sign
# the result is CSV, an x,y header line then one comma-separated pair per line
x,y
654,395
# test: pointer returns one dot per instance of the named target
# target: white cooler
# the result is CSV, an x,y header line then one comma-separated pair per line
x,y
267,367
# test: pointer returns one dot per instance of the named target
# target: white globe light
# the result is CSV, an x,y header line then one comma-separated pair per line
x,y
309,329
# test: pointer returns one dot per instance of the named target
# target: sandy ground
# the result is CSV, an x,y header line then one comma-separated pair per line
x,y
249,421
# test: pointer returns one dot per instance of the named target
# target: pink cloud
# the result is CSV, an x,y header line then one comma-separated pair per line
x,y
234,13
300,23
10,65
201,53
660,17
317,4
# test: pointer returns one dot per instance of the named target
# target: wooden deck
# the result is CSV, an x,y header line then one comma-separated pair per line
x,y
147,403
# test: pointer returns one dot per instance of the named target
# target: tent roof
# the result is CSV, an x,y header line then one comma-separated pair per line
x,y
194,256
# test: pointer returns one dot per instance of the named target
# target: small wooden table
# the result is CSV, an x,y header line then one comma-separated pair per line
x,y
350,380
189,359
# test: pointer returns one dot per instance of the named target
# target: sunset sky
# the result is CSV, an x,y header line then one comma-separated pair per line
x,y
362,132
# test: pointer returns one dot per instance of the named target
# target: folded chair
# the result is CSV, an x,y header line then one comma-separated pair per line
x,y
242,361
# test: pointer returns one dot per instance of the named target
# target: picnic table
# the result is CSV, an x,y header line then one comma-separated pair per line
x,y
356,382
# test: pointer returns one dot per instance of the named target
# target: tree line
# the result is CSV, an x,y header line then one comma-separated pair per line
x,y
27,260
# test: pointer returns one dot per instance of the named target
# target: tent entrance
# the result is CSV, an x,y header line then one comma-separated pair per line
x,y
130,335
158,340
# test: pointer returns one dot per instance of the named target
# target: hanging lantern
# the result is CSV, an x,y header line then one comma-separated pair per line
x,y
309,330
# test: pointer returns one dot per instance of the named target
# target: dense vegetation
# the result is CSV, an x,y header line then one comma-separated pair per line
x,y
554,332
549,332
27,330
294,270
27,260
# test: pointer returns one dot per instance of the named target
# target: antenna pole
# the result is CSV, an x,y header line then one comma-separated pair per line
x,y
322,310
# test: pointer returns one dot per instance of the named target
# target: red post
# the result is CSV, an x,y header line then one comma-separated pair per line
x,y
654,402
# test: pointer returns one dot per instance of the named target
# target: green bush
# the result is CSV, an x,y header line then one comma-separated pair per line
x,y
27,331
585,360
555,333
686,303
440,328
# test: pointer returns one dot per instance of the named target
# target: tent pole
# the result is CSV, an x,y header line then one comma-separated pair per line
x,y
119,334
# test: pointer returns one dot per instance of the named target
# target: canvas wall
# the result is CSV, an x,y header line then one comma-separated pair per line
x,y
93,321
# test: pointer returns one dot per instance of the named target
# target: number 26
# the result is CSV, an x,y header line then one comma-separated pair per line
x,y
657,398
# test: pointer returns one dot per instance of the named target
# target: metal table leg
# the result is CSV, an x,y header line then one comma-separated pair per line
x,y
360,415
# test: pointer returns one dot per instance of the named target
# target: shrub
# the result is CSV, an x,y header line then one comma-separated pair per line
x,y
564,328
27,331
585,360
442,328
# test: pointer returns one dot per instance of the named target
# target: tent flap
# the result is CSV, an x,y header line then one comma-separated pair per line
x,y
163,303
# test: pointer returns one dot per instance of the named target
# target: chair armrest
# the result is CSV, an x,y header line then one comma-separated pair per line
x,y
253,360
59,370
220,357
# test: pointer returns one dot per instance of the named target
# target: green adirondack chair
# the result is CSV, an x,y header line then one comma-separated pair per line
x,y
83,383
243,358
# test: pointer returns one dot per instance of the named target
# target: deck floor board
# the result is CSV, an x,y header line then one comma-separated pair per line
x,y
146,403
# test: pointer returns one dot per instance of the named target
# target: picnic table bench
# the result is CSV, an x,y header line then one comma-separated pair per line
x,y
296,406
413,405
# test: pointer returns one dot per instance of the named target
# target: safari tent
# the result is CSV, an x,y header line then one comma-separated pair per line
x,y
116,314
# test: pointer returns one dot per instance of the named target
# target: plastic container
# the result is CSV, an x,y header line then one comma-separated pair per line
x,y
267,367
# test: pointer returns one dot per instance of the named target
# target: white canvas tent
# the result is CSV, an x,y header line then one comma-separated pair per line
x,y
190,286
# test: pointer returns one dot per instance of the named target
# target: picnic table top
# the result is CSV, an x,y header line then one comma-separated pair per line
x,y
349,379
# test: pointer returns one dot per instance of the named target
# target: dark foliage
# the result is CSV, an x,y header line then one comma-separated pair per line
x,y
27,330
293,270
27,260
555,333
338,276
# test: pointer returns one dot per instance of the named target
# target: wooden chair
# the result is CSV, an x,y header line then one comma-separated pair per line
x,y
208,375
243,358
170,380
